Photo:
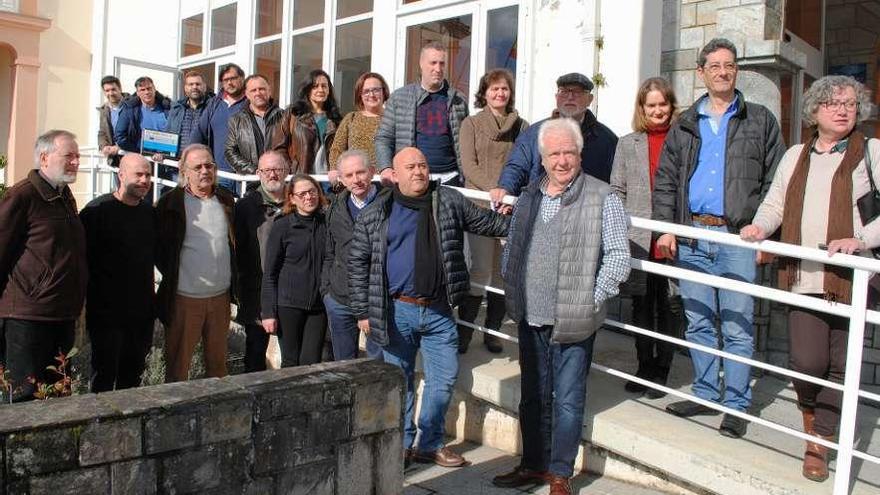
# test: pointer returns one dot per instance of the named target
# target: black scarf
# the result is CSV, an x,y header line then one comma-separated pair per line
x,y
427,266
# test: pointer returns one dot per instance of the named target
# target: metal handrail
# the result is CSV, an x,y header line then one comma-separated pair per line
x,y
856,311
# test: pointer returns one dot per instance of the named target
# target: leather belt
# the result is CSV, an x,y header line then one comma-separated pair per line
x,y
418,301
710,220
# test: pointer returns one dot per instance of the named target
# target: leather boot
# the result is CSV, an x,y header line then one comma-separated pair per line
x,y
467,311
815,456
495,312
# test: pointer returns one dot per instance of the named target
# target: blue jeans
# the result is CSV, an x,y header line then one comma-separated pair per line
x,y
344,332
431,329
704,304
553,393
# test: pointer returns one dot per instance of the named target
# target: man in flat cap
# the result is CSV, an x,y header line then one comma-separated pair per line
x,y
573,99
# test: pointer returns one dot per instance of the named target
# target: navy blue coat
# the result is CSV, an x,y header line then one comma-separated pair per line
x,y
127,132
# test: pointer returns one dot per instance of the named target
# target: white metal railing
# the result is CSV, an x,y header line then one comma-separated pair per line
x,y
856,311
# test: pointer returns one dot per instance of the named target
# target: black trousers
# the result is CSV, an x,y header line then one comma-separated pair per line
x,y
655,356
119,351
256,343
27,347
301,336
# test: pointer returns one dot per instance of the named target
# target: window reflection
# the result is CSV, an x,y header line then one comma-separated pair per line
x,y
267,61
455,34
269,15
501,38
191,35
307,50
353,43
223,26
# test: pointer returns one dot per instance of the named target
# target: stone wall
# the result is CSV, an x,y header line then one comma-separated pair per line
x,y
323,429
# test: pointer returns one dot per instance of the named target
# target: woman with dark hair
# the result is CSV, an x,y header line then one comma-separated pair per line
x,y
358,129
486,138
291,300
308,125
632,178
813,200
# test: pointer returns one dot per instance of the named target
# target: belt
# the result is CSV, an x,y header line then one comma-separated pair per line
x,y
418,301
710,220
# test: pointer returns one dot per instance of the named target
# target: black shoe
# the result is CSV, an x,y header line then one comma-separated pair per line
x,y
660,379
733,426
644,372
463,345
686,409
492,343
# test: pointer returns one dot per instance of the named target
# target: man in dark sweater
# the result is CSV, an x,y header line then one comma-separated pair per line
x,y
406,273
253,219
120,248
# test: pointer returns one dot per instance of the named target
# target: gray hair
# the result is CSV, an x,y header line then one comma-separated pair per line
x,y
181,176
822,90
46,143
280,155
365,159
713,46
555,126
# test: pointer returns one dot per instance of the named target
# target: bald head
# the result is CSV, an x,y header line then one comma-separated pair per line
x,y
135,178
411,173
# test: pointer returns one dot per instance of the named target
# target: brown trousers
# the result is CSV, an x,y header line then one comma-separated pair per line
x,y
197,319
817,347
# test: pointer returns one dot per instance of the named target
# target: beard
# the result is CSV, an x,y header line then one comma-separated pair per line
x,y
274,186
134,191
67,178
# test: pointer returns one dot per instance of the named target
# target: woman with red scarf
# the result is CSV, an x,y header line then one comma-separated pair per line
x,y
632,178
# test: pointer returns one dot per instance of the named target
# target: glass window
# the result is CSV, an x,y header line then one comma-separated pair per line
x,y
804,19
455,35
191,35
501,38
268,17
267,61
207,72
307,13
348,8
353,47
223,26
307,50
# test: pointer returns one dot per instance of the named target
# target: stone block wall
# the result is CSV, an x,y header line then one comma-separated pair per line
x,y
333,428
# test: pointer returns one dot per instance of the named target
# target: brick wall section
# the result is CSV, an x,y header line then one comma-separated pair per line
x,y
333,428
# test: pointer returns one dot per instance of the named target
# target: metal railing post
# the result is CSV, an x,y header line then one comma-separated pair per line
x,y
155,184
93,173
851,381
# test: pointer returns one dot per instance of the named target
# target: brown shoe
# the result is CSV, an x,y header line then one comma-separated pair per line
x,y
559,485
441,457
815,456
520,476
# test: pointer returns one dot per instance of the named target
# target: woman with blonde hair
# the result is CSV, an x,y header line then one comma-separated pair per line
x,y
632,178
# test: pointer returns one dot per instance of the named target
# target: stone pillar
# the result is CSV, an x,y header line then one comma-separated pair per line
x,y
23,118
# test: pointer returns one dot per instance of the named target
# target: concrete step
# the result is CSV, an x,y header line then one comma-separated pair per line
x,y
634,439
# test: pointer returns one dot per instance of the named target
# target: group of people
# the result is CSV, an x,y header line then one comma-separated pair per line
x,y
391,260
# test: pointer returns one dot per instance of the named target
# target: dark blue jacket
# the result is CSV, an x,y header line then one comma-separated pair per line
x,y
127,132
524,161
212,128
178,111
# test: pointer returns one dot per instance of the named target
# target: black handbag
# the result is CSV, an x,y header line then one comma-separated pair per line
x,y
869,203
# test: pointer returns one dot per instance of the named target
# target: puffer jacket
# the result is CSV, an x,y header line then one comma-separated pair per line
x,y
297,139
577,315
340,228
754,149
368,281
128,128
244,141
171,218
43,267
398,127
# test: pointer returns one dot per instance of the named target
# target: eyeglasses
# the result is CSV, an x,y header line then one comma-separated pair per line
x,y
200,166
716,68
230,79
569,92
834,105
270,171
306,194
371,91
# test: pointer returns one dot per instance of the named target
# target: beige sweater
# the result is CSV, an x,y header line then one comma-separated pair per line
x,y
814,222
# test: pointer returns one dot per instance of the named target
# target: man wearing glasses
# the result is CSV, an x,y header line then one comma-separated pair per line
x,y
213,124
254,216
196,256
716,165
573,99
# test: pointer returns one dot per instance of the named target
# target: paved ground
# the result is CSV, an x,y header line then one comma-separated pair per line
x,y
486,462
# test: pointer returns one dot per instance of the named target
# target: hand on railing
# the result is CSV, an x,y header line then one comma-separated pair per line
x,y
846,246
496,196
110,150
364,326
753,233
667,246
270,325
